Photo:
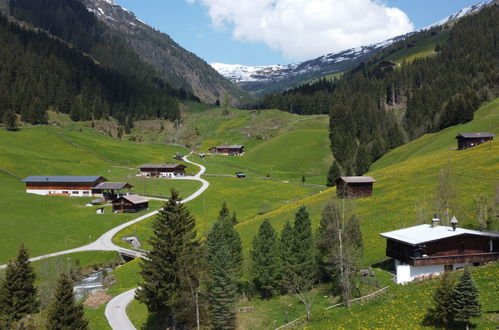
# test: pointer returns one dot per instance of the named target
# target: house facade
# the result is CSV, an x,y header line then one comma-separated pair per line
x,y
354,186
111,190
75,186
468,140
162,170
431,249
233,150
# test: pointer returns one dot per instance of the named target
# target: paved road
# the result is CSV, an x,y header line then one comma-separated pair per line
x,y
116,307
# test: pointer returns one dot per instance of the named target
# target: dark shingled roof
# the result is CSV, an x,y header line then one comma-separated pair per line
x,y
62,178
475,135
236,146
358,179
161,166
112,185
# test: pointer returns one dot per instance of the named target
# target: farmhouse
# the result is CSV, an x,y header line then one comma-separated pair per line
x,y
234,150
111,190
162,170
354,186
130,204
78,186
468,140
426,250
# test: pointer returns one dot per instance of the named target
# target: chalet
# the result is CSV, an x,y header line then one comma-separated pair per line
x,y
427,250
78,186
234,150
468,140
162,170
130,204
384,64
354,186
111,190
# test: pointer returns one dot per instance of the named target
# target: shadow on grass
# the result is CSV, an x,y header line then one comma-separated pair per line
x,y
386,264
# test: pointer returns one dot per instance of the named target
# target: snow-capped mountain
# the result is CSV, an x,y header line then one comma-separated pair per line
x,y
276,78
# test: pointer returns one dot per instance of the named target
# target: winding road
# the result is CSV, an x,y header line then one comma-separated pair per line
x,y
116,308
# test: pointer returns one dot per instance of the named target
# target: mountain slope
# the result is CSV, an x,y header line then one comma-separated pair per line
x,y
277,78
181,68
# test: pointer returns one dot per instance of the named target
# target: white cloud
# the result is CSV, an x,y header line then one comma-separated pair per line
x,y
303,29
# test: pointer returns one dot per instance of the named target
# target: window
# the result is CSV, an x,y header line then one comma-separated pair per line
x,y
448,268
86,192
74,192
65,192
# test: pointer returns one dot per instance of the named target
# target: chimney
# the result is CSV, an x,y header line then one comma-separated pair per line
x,y
435,220
453,222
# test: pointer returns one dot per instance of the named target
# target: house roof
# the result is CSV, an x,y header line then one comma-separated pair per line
x,y
235,146
475,135
112,185
426,233
358,179
62,178
135,199
161,166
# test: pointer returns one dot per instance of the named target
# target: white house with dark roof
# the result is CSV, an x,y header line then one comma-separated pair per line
x,y
57,185
431,249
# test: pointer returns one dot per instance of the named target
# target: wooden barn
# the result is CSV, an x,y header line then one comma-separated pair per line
x,y
111,190
427,250
354,186
468,140
77,186
130,204
234,150
162,170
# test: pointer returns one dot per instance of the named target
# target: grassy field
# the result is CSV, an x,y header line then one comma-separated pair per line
x,y
422,48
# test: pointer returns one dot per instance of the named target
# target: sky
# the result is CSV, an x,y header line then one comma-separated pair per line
x,y
266,32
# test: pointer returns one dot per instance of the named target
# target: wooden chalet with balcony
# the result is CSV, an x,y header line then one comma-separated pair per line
x,y
162,170
77,186
111,190
233,150
130,204
468,140
431,249
354,186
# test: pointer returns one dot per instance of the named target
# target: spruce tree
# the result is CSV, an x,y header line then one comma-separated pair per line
x,y
265,265
304,247
167,268
439,314
222,290
63,312
333,174
353,232
286,242
18,295
464,303
224,212
9,120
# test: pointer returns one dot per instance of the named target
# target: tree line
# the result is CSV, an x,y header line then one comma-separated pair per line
x,y
375,108
184,277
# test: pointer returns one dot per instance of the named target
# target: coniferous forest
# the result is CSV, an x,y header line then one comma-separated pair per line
x,y
374,108
89,74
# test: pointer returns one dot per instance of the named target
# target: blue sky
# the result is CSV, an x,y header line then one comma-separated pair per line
x,y
227,31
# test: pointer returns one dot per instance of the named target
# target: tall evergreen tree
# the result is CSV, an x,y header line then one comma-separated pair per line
x,y
9,120
265,263
18,295
222,291
333,174
464,303
353,232
439,314
170,272
224,212
63,313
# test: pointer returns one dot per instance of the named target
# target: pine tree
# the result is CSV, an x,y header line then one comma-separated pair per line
x,y
170,273
353,232
333,174
233,219
304,247
18,295
265,265
63,313
464,303
439,314
9,120
222,290
224,212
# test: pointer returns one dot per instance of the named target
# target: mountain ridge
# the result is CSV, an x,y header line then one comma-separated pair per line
x,y
277,78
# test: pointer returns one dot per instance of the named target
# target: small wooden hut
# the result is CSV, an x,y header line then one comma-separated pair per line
x,y
233,150
354,186
468,140
130,204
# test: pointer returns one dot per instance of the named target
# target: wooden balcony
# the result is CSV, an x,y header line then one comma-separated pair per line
x,y
444,260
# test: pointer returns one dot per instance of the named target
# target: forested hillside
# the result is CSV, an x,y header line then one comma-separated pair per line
x,y
40,72
377,107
